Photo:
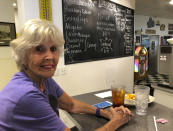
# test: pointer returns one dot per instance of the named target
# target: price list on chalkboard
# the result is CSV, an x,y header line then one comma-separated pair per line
x,y
96,30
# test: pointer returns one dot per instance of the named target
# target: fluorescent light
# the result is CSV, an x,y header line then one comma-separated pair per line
x,y
14,4
171,2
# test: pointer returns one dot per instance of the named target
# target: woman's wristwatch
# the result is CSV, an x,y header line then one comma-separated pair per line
x,y
97,111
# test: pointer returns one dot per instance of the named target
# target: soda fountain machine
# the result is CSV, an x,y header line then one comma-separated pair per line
x,y
141,63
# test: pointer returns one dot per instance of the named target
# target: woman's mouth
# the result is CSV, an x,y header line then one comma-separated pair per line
x,y
48,67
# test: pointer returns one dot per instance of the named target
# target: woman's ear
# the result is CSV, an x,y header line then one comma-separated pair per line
x,y
24,65
25,62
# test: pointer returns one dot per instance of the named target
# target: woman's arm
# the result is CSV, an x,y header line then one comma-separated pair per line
x,y
118,116
71,105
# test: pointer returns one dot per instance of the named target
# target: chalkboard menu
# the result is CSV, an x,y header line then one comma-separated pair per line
x,y
96,29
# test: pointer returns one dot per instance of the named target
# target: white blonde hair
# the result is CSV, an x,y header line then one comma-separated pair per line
x,y
33,33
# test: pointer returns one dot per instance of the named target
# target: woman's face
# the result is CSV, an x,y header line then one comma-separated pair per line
x,y
42,60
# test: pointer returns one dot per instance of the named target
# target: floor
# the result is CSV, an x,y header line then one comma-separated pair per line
x,y
155,79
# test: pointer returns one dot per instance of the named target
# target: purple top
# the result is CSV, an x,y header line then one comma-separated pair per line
x,y
23,107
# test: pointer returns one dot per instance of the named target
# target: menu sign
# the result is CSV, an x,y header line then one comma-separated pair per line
x,y
97,29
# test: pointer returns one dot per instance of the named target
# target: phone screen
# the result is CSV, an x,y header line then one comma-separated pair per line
x,y
103,104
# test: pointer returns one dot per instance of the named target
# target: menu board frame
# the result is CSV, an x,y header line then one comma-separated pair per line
x,y
97,30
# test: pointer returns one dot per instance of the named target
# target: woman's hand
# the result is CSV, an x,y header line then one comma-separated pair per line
x,y
120,111
118,116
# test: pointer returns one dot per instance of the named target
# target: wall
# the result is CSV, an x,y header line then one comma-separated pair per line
x,y
141,23
83,77
19,16
7,65
27,9
6,11
92,76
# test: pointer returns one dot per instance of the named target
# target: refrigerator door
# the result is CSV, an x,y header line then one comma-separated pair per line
x,y
153,53
151,42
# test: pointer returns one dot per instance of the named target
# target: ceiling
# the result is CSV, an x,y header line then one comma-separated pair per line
x,y
155,8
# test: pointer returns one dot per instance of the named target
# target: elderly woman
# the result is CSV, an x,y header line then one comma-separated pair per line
x,y
30,101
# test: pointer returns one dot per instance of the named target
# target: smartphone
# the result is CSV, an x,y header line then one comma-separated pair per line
x,y
103,104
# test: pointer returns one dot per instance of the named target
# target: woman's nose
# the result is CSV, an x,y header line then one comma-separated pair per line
x,y
48,55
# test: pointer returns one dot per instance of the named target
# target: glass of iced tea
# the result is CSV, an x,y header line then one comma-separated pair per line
x,y
118,94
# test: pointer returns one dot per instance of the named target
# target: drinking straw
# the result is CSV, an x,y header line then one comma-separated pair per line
x,y
155,124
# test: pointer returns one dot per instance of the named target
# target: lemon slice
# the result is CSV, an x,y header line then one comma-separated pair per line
x,y
130,96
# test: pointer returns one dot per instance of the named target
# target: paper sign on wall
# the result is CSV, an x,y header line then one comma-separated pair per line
x,y
45,9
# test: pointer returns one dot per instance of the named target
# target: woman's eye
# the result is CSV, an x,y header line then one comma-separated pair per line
x,y
53,48
39,49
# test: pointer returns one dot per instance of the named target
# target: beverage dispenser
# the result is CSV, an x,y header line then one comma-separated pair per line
x,y
141,63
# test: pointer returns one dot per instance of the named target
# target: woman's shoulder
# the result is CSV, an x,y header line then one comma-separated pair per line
x,y
52,83
53,88
18,86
